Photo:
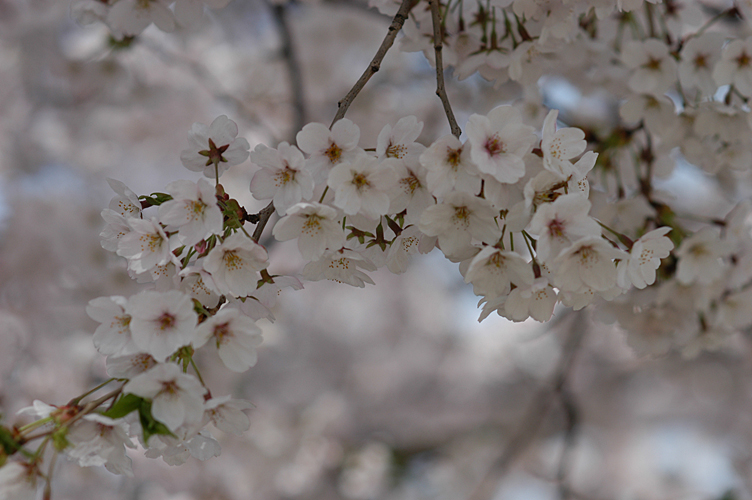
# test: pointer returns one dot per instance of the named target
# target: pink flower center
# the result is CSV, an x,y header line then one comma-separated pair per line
x,y
166,321
494,146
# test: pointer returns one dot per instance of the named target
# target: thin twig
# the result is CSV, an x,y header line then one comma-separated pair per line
x,y
293,68
571,417
373,68
535,414
263,218
438,45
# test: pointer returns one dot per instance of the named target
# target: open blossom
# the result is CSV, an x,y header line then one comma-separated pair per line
x,y
234,335
700,257
499,142
362,186
97,440
735,66
458,219
226,414
233,265
328,148
645,258
131,17
116,226
698,58
314,225
562,222
283,176
654,68
176,397
560,146
18,481
341,266
536,300
589,262
216,146
126,203
129,366
146,246
404,245
410,192
492,272
193,210
113,335
399,142
162,322
449,166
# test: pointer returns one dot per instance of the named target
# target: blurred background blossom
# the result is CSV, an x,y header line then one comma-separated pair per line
x,y
389,392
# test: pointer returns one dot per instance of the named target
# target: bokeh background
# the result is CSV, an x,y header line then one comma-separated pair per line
x,y
394,391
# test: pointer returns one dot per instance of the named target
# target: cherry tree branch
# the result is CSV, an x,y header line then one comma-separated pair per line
x,y
263,218
438,46
536,413
290,56
399,19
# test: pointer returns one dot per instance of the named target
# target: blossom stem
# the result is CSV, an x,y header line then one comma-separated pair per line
x,y
76,400
34,425
622,238
48,486
440,87
326,189
399,19
198,373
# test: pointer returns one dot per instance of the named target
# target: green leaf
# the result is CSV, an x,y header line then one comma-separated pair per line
x,y
125,405
59,439
7,442
130,403
149,425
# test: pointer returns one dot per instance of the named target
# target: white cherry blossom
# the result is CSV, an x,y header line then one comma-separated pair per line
x,y
399,142
341,266
735,66
193,210
233,265
362,186
314,225
177,398
654,70
328,148
131,17
146,246
216,146
235,337
588,263
499,142
449,167
282,177
560,146
645,258
492,272
162,322
536,300
700,257
458,219
560,223
226,414
113,335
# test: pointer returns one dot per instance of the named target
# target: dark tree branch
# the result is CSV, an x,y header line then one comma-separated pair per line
x,y
438,37
293,68
535,415
263,218
373,68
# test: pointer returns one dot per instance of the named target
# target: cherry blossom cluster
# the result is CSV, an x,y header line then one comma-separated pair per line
x,y
534,217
